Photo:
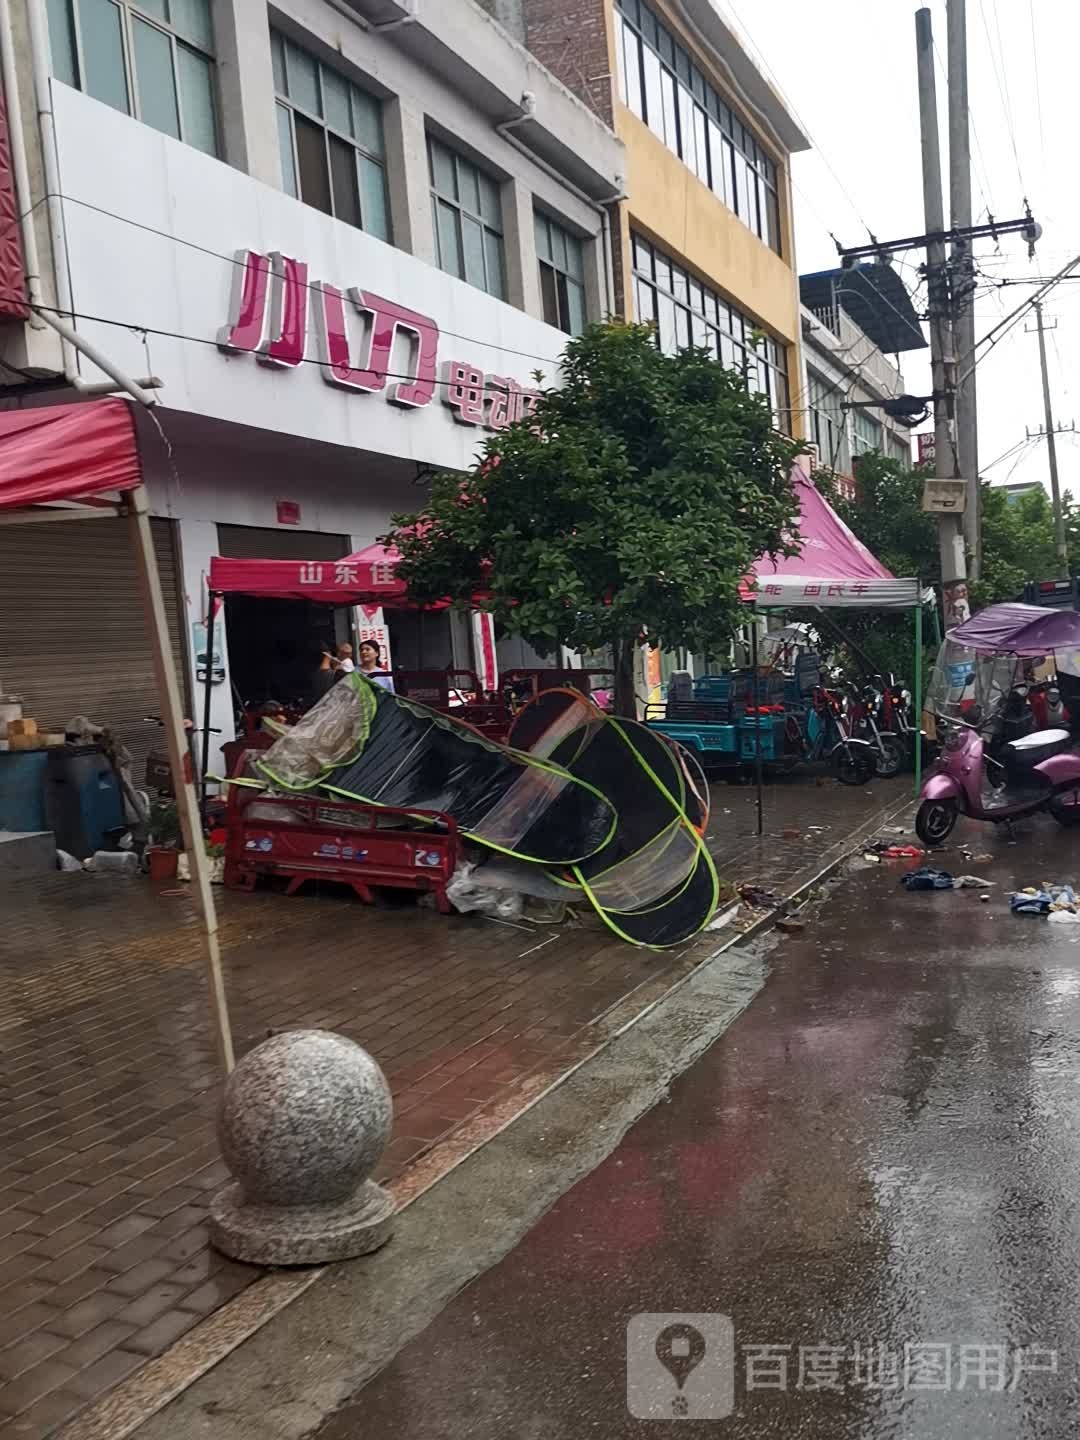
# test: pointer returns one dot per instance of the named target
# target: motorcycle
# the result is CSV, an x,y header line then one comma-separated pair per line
x,y
866,709
828,735
1005,769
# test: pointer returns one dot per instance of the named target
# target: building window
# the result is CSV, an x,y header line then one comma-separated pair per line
x,y
866,433
331,139
562,275
827,428
687,312
663,86
153,59
467,218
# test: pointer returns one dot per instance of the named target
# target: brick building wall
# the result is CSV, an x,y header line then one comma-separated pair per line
x,y
569,37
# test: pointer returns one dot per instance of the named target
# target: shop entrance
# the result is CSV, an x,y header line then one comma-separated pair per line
x,y
274,645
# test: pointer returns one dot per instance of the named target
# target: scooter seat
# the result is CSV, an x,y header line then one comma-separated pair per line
x,y
1033,749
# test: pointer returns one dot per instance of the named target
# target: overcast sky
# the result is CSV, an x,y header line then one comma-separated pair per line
x,y
847,68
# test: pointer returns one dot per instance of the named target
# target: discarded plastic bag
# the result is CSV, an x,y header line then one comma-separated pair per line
x,y
1063,917
972,882
67,862
903,852
117,862
927,878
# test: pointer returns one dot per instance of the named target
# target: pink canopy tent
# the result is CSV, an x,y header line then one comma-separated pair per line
x,y
833,568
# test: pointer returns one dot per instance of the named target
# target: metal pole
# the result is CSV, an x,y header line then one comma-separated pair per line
x,y
918,692
950,531
757,726
208,691
153,607
1060,544
967,432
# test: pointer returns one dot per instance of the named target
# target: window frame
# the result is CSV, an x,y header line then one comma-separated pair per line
x,y
742,175
490,234
674,309
131,11
564,278
291,108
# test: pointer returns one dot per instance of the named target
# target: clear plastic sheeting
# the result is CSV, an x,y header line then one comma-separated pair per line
x,y
321,739
597,807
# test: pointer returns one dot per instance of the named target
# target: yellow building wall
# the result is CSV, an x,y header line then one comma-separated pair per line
x,y
672,206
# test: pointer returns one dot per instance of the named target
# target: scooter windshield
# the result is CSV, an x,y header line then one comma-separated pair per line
x,y
971,686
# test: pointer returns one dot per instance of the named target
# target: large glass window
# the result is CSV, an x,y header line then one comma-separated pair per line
x,y
827,423
867,433
467,218
331,139
685,311
149,58
562,275
661,84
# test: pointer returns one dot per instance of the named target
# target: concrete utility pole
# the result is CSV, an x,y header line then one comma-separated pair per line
x,y
967,433
950,529
1051,449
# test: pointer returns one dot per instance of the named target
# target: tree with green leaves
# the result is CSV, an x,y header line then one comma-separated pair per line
x,y
632,504
887,515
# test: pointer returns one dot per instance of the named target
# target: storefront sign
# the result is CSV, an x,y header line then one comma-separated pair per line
x,y
359,338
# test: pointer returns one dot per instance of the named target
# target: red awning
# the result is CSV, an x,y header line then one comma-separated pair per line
x,y
67,452
367,578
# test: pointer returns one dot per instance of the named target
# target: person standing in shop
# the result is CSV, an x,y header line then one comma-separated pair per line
x,y
371,665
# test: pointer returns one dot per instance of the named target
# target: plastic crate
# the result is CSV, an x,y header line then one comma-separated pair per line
x,y
764,731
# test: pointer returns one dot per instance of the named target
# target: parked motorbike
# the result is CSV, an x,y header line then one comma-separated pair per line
x,y
828,734
1038,771
866,710
995,765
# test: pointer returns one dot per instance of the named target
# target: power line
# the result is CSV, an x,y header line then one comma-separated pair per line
x,y
239,265
1038,81
771,74
1003,86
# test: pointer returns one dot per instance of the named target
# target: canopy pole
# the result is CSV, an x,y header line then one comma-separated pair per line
x,y
757,725
208,693
172,713
918,695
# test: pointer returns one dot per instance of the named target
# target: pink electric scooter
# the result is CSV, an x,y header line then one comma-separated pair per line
x,y
1040,771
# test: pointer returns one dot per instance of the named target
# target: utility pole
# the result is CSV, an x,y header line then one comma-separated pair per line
x,y
950,529
1051,449
963,277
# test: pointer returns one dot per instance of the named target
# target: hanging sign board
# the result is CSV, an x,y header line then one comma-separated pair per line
x,y
944,497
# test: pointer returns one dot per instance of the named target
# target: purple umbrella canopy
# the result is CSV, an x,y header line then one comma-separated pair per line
x,y
1019,630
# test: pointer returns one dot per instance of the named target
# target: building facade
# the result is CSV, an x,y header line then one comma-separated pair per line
x,y
340,237
703,238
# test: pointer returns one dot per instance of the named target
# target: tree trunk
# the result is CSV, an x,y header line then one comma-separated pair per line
x,y
625,699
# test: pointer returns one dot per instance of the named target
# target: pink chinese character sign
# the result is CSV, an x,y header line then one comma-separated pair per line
x,y
363,342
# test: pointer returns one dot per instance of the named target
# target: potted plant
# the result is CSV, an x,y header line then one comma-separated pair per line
x,y
163,841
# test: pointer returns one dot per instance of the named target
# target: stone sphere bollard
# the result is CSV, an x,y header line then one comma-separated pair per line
x,y
303,1122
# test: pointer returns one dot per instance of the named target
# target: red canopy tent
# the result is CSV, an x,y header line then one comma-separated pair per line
x,y
367,578
88,453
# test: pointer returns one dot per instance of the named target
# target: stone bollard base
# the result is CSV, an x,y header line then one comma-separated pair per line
x,y
301,1234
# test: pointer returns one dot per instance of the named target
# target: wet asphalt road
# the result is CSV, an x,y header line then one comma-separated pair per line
x,y
884,1151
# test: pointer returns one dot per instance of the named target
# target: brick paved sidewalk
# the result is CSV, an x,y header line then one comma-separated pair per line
x,y
108,1084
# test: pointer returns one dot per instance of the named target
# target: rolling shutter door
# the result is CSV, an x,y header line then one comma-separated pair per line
x,y
73,639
